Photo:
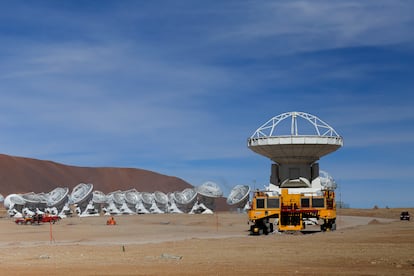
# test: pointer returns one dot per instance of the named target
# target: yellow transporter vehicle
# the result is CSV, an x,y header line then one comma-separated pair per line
x,y
299,194
291,211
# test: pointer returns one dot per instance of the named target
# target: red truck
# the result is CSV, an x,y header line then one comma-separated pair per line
x,y
37,219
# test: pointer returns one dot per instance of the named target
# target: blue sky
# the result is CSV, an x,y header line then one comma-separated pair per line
x,y
177,87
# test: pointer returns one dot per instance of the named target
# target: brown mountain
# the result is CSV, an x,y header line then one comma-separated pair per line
x,y
22,175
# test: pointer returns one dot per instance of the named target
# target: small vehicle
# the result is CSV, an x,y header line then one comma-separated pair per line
x,y
37,219
27,220
405,216
49,218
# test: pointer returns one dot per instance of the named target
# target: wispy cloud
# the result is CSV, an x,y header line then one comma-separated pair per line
x,y
308,26
179,87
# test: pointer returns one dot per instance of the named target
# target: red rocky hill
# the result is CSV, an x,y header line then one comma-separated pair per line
x,y
23,175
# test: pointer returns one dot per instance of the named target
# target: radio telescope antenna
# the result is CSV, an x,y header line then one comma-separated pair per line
x,y
327,181
208,192
57,197
13,199
185,199
118,197
209,189
34,200
99,197
295,142
81,194
161,199
132,196
238,196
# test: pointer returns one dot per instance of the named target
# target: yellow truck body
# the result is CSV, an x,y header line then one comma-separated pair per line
x,y
289,211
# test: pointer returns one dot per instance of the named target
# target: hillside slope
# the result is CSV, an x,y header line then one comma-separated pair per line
x,y
21,175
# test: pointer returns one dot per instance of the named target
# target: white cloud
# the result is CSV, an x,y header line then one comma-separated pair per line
x,y
292,26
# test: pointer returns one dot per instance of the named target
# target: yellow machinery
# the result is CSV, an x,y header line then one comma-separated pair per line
x,y
291,211
298,195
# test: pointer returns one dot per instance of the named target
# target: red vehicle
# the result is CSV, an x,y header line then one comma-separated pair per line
x,y
21,221
49,218
37,219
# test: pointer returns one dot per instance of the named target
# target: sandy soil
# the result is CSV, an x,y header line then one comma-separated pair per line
x,y
367,242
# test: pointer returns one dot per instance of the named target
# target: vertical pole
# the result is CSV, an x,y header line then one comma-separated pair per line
x,y
216,222
50,232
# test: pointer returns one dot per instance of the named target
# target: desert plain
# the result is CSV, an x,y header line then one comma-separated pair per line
x,y
366,242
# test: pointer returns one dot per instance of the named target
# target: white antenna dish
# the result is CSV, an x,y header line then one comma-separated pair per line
x,y
147,199
239,195
140,208
118,197
187,196
57,197
327,181
32,198
185,200
304,138
173,208
13,199
99,197
132,196
160,198
80,193
209,189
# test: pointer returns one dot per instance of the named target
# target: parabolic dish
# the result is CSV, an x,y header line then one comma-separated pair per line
x,y
209,189
238,194
99,197
33,198
185,197
147,198
327,181
132,196
118,197
57,196
160,198
302,139
81,193
13,199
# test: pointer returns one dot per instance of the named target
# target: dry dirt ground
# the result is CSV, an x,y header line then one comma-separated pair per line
x,y
367,242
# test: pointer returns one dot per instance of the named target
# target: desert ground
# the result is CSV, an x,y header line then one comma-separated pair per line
x,y
367,242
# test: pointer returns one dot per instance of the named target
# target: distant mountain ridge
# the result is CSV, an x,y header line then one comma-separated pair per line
x,y
22,175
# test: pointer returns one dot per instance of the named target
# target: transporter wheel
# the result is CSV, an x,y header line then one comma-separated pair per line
x,y
267,227
254,230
